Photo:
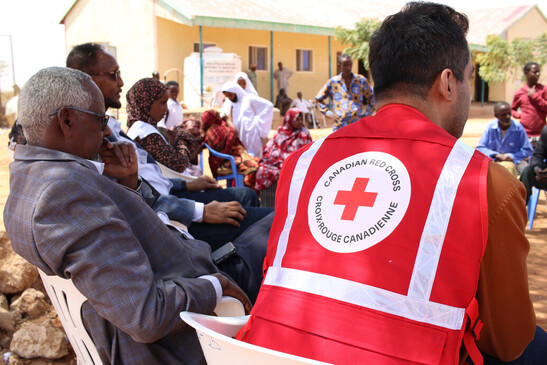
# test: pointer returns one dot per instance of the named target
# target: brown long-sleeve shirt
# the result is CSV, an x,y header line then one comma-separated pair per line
x,y
504,300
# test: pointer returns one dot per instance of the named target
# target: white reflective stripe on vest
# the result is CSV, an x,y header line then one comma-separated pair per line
x,y
366,296
299,174
431,243
417,306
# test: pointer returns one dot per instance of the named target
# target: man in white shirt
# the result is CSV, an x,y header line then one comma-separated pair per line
x,y
304,107
282,76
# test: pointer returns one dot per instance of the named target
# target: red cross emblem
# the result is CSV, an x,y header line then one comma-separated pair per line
x,y
355,198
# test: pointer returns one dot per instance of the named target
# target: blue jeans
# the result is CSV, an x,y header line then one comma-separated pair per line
x,y
218,234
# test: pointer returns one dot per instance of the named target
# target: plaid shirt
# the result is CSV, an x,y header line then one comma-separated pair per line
x,y
350,105
138,275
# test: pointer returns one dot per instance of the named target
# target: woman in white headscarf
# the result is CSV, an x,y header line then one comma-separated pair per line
x,y
251,116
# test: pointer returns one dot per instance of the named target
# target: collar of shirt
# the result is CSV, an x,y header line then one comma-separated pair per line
x,y
98,165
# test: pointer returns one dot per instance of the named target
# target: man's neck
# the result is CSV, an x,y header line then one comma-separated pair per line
x,y
348,76
424,106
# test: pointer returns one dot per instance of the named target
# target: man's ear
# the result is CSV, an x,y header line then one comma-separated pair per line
x,y
447,84
65,122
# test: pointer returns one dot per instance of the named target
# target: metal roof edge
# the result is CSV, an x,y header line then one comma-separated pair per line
x,y
179,13
260,25
68,11
530,8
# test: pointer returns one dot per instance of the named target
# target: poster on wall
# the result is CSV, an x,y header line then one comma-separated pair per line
x,y
218,67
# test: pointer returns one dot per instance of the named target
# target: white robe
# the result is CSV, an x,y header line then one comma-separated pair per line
x,y
252,117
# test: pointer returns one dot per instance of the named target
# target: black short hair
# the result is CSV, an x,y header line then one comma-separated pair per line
x,y
527,67
170,83
412,47
343,56
83,57
497,106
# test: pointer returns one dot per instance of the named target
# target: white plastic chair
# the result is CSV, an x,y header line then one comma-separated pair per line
x,y
68,301
215,336
532,205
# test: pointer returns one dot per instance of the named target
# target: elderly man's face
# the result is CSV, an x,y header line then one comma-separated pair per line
x,y
108,78
87,129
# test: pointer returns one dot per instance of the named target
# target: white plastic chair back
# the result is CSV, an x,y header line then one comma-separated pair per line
x,y
68,301
172,174
229,307
215,336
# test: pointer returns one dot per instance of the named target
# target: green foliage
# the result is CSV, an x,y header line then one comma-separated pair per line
x,y
504,60
358,38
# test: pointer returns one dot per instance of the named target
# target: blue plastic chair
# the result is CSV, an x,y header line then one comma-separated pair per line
x,y
234,176
532,204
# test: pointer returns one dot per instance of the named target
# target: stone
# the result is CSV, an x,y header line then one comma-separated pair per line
x,y
31,302
39,340
5,338
16,274
9,320
4,303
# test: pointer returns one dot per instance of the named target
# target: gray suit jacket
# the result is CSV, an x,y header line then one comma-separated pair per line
x,y
65,218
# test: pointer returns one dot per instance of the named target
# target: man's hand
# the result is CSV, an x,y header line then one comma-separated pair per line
x,y
203,182
231,289
532,90
503,157
336,118
541,174
229,212
120,162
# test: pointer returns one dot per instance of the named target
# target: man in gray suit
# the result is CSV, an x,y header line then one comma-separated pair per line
x,y
69,220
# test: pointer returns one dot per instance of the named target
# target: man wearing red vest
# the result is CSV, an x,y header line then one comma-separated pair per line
x,y
390,235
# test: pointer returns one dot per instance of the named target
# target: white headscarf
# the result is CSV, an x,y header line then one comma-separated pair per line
x,y
249,87
252,117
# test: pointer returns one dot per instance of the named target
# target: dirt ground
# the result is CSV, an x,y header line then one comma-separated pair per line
x,y
537,259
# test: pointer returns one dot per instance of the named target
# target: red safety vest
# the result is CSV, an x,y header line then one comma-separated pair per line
x,y
375,250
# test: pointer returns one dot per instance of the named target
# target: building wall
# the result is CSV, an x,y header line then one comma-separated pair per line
x,y
175,42
129,29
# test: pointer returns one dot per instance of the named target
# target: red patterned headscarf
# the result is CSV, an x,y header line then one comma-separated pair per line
x,y
210,118
140,98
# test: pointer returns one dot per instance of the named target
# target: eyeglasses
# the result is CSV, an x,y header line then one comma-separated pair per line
x,y
117,74
104,118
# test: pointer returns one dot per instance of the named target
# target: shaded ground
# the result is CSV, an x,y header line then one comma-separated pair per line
x,y
537,260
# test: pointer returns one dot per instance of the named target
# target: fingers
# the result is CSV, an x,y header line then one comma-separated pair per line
x,y
231,289
229,212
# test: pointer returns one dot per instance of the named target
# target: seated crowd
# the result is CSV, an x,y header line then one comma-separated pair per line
x,y
370,258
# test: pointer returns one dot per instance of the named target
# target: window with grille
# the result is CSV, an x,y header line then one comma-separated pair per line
x,y
304,60
259,57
